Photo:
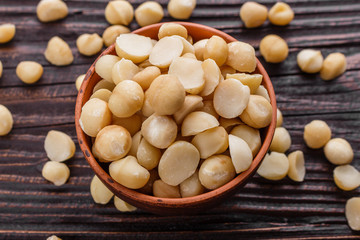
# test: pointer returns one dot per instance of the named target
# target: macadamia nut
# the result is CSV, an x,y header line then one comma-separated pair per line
x,y
164,190
240,152
273,48
129,173
123,70
6,120
79,80
281,14
165,51
296,166
7,32
197,122
253,14
95,115
56,172
119,12
217,49
147,155
149,12
123,206
178,162
51,10
112,143
274,166
281,141
104,66
170,29
216,171
253,81
279,118
339,151
334,65
181,9
352,213
29,72
58,52
241,56
133,47
59,146
258,113
191,186
346,177
99,192
316,134
89,44
111,33
310,61
250,135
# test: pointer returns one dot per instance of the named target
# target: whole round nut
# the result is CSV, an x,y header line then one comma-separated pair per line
x,y
273,48
29,72
316,134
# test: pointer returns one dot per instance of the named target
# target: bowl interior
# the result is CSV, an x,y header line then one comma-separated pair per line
x,y
170,206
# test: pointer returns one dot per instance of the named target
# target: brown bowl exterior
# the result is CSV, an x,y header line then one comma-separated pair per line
x,y
172,206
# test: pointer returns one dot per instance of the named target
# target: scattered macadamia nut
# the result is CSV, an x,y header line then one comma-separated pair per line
x,y
119,12
170,29
274,166
281,14
159,131
352,213
253,14
112,143
334,65
296,166
181,9
99,192
129,173
123,206
58,52
216,171
316,134
197,122
7,32
51,10
346,177
79,80
133,47
217,49
241,56
339,151
104,66
258,113
29,72
212,141
178,162
231,98
273,48
250,135
166,94
164,190
281,141
89,44
59,146
149,12
56,172
310,61
95,115
279,118
111,33
191,186
6,120
53,237
240,152
127,98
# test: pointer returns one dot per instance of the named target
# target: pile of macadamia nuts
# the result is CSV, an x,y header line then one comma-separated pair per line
x,y
175,119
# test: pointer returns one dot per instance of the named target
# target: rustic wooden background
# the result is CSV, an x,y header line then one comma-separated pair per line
x,y
32,208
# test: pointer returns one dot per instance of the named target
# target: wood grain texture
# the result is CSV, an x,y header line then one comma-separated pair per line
x,y
32,208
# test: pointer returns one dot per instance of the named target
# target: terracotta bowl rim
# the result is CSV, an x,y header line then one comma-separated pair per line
x,y
139,199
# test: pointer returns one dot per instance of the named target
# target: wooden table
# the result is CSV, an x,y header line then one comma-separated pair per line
x,y
32,208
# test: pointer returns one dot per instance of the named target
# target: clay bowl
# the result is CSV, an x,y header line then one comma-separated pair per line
x,y
172,206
